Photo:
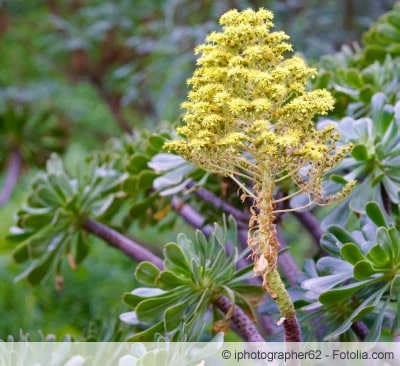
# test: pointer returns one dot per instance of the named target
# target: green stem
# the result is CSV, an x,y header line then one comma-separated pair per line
x,y
284,302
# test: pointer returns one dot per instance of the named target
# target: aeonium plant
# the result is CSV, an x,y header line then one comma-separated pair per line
x,y
364,272
176,299
373,162
249,117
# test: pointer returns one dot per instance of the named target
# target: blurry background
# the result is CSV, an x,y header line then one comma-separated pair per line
x,y
74,73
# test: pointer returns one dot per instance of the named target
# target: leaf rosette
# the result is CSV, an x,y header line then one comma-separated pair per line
x,y
196,273
362,278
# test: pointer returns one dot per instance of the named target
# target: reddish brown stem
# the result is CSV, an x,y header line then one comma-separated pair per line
x,y
241,321
14,168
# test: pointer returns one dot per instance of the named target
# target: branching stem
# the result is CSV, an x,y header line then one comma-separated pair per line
x,y
126,245
242,186
243,324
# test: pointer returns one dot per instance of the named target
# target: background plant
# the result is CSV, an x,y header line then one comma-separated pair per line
x,y
135,83
363,272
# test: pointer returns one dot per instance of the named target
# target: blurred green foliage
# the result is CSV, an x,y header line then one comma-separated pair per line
x,y
99,61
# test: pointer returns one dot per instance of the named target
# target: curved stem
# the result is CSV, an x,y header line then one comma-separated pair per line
x,y
190,215
127,246
242,323
217,202
14,168
242,186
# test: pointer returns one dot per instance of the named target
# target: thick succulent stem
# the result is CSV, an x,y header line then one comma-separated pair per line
x,y
126,245
264,244
242,323
284,302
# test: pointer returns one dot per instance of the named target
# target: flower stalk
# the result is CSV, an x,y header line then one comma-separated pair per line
x,y
249,117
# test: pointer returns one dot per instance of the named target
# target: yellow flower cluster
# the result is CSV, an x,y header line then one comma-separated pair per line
x,y
249,116
249,108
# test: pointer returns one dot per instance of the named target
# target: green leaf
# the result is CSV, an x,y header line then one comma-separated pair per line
x,y
38,269
222,267
100,207
353,78
156,144
343,235
133,298
145,179
346,324
35,221
394,237
61,185
37,275
137,210
175,259
148,334
396,322
366,93
174,315
203,303
17,235
374,333
130,185
395,287
243,274
49,196
378,256
351,253
81,248
331,296
137,163
168,280
384,239
252,291
245,304
196,272
21,253
360,153
330,243
146,273
363,313
375,214
388,31
363,270
153,308
323,80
